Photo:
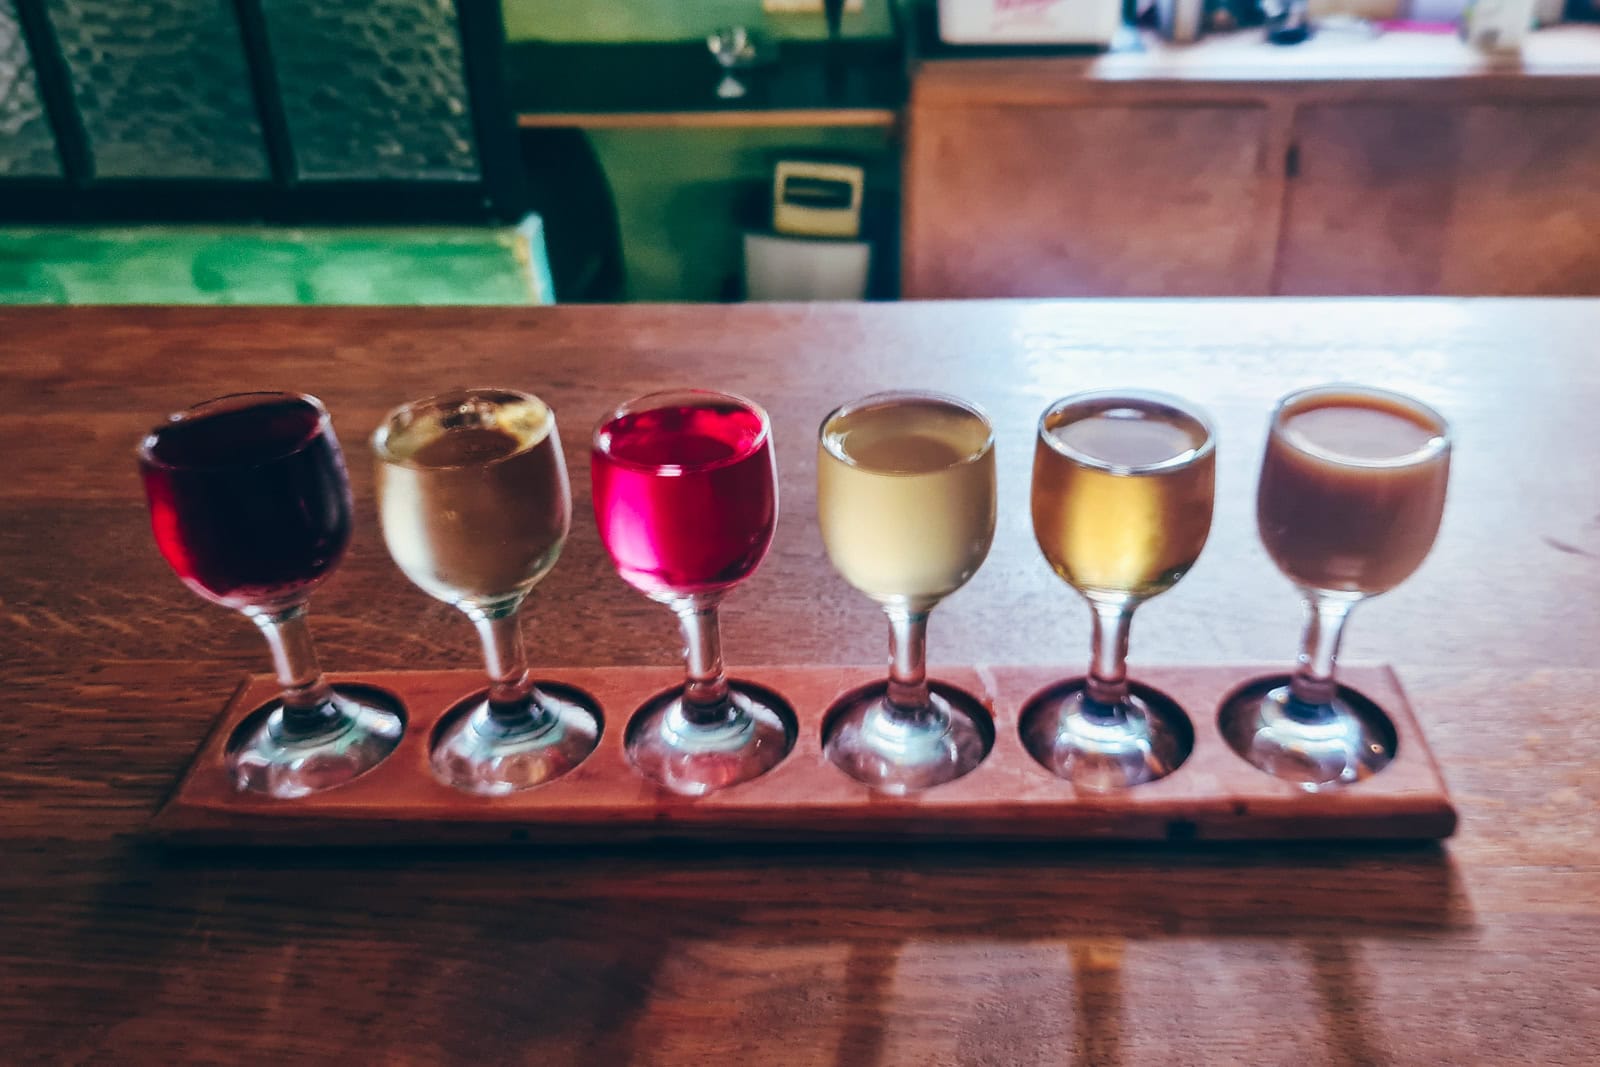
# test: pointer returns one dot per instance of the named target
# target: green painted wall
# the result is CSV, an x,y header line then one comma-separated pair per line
x,y
675,190
670,20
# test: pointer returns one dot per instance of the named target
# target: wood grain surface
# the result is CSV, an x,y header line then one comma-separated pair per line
x,y
1404,198
1408,165
1485,950
1090,201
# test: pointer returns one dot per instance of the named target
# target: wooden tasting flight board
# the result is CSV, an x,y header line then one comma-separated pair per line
x,y
1214,795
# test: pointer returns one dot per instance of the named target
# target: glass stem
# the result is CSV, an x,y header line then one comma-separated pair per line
x,y
308,710
1108,670
907,720
511,699
705,690
1313,683
908,659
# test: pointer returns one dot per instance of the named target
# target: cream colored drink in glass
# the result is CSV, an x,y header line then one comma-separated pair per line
x,y
906,502
475,510
906,497
1122,495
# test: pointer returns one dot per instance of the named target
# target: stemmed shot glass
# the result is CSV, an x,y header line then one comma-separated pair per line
x,y
1123,484
686,498
906,500
250,506
475,506
1352,491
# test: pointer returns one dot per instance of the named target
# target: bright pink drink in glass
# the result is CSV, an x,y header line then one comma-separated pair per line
x,y
685,492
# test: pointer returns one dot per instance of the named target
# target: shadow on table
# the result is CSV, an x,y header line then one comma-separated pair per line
x,y
561,949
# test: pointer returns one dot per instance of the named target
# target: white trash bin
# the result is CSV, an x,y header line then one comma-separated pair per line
x,y
805,268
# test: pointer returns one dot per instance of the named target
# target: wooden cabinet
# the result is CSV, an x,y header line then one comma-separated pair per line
x,y
1419,168
1088,201
1472,199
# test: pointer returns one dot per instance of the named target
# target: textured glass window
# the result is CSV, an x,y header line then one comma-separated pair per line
x,y
373,90
27,147
162,86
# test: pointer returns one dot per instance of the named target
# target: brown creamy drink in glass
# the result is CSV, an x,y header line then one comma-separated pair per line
x,y
1352,488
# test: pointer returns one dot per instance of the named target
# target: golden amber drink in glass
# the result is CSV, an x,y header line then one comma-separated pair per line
x,y
1122,496
1122,493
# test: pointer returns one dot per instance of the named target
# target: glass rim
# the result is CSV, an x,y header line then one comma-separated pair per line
x,y
691,397
1182,461
379,440
889,397
241,401
1439,444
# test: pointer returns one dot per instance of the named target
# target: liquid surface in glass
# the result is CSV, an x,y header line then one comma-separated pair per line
x,y
906,496
475,507
1352,489
685,495
249,501
1122,495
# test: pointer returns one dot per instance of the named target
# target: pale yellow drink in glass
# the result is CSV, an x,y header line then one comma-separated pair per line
x,y
906,496
906,502
475,506
1122,495
475,510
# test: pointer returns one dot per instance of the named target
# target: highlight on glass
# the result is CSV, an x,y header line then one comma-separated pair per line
x,y
250,505
906,502
1351,496
1123,486
686,499
475,506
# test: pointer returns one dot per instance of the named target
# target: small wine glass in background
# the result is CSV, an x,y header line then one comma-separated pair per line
x,y
906,502
1351,495
686,498
734,48
1123,484
250,506
475,505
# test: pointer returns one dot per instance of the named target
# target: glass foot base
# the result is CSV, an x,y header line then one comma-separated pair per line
x,y
693,760
882,750
264,758
478,753
1100,748
1313,746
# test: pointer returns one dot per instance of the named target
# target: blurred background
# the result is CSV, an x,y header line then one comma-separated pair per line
x,y
533,151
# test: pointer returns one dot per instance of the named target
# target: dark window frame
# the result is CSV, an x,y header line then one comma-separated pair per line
x,y
499,192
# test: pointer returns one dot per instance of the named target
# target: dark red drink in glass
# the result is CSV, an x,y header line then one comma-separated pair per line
x,y
250,505
248,498
685,495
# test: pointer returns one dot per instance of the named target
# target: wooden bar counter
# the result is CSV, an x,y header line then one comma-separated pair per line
x,y
1486,949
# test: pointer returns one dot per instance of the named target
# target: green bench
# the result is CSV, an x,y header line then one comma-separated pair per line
x,y
96,264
